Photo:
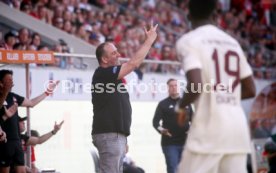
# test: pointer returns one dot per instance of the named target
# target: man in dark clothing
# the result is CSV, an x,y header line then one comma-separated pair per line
x,y
11,151
34,140
173,136
111,106
270,150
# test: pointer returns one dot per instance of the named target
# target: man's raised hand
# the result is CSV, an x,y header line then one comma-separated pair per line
x,y
151,33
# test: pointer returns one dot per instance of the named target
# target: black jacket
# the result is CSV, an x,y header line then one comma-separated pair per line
x,y
165,112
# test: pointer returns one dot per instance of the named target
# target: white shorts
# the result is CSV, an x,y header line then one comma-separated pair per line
x,y
212,163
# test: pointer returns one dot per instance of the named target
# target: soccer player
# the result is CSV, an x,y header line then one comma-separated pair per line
x,y
218,78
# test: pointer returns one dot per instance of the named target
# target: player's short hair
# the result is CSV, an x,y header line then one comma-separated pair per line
x,y
4,72
100,51
171,79
202,9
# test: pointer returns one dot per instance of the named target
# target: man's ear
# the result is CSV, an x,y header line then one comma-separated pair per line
x,y
104,59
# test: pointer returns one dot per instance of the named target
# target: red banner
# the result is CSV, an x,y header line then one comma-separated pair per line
x,y
26,57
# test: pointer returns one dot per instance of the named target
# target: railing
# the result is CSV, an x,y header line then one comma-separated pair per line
x,y
85,60
71,61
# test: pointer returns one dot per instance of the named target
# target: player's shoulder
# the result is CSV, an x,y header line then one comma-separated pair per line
x,y
215,35
224,35
194,36
187,37
184,41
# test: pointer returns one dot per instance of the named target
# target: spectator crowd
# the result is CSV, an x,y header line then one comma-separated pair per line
x,y
252,22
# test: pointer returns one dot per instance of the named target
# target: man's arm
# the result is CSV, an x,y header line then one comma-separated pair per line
x,y
140,55
50,89
3,136
9,112
157,117
156,122
248,88
39,140
34,101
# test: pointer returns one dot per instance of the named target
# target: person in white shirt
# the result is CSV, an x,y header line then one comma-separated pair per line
x,y
218,78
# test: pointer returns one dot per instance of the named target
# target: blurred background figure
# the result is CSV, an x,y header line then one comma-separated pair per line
x,y
173,136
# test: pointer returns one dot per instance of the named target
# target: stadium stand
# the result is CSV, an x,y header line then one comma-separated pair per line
x,y
251,22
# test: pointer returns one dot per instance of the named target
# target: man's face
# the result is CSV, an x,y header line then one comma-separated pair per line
x,y
166,53
24,36
111,55
173,88
7,82
22,126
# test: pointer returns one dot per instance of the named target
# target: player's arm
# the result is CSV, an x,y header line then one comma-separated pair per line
x,y
189,96
194,84
248,88
140,55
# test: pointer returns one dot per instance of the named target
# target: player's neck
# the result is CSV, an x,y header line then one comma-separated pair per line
x,y
200,23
